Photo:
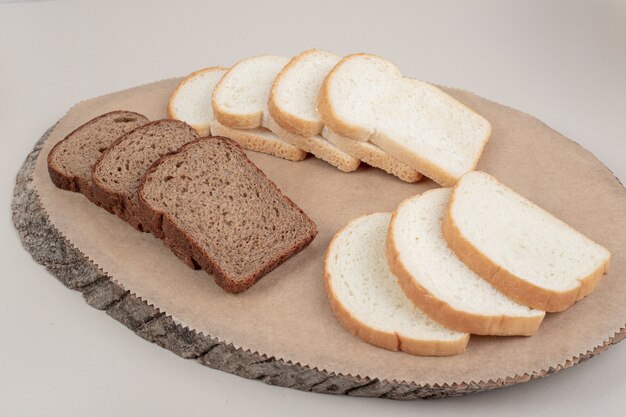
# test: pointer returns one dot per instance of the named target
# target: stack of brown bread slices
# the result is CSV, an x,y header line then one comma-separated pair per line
x,y
208,202
342,111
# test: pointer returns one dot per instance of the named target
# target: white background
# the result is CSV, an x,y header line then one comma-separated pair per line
x,y
562,61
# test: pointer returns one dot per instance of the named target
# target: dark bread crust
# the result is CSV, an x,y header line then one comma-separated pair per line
x,y
119,203
183,245
74,183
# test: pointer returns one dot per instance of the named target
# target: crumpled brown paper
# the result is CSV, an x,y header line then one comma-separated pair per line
x,y
286,314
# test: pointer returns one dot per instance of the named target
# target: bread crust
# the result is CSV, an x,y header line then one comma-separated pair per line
x,y
286,120
444,313
515,287
184,246
318,146
235,121
384,162
243,122
203,129
118,203
327,112
432,171
73,182
248,139
304,133
305,130
387,340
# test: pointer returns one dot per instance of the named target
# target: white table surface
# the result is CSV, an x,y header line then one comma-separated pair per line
x,y
562,61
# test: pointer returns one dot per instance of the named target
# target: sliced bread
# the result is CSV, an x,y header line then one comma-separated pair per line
x,y
439,283
367,301
216,209
518,247
240,99
291,106
191,101
71,160
293,96
366,98
118,172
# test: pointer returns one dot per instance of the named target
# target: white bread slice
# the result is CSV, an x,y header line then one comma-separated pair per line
x,y
367,301
373,156
293,106
293,97
366,98
240,99
439,283
521,249
191,101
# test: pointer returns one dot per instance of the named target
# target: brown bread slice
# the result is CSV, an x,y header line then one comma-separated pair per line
x,y
71,160
216,209
119,171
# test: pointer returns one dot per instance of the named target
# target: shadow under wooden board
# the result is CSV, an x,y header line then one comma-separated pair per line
x,y
282,330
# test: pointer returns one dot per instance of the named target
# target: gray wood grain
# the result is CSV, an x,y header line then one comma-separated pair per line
x,y
48,247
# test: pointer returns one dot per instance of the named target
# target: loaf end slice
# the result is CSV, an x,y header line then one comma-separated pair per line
x,y
71,160
367,301
191,101
521,249
211,204
118,172
439,283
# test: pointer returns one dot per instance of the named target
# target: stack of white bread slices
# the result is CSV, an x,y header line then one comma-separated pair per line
x,y
342,111
477,258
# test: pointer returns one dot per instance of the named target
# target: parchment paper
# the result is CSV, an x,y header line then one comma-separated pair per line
x,y
286,314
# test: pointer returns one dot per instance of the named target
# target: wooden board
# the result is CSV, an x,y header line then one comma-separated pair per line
x,y
532,164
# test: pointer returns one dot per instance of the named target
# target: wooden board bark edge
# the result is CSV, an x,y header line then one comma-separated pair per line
x,y
77,272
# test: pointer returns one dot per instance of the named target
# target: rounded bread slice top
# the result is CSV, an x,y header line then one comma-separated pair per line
x,y
291,112
366,299
240,98
293,97
191,101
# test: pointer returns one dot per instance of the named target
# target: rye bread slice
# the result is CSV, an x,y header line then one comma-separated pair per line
x,y
71,160
119,171
216,209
